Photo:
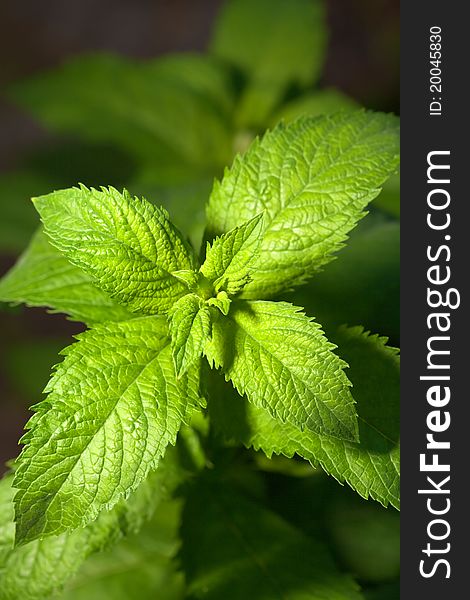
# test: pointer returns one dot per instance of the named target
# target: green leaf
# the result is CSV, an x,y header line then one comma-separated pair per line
x,y
228,259
370,467
273,43
313,178
320,102
114,404
183,194
190,327
221,301
43,277
42,567
190,279
239,547
126,244
280,359
163,111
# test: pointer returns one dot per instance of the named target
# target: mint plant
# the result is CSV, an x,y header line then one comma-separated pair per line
x,y
200,350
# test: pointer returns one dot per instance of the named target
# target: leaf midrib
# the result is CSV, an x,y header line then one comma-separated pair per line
x,y
111,410
303,384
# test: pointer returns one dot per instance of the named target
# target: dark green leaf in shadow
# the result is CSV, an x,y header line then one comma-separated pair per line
x,y
141,566
362,285
235,549
366,538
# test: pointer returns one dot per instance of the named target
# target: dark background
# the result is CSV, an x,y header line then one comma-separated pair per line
x,y
362,61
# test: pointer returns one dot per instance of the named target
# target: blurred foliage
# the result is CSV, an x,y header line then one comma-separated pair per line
x,y
363,284
165,128
142,562
240,547
366,539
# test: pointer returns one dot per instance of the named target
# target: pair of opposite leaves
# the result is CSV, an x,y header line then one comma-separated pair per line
x,y
126,388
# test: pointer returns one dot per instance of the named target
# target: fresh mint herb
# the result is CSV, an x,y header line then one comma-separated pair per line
x,y
160,316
